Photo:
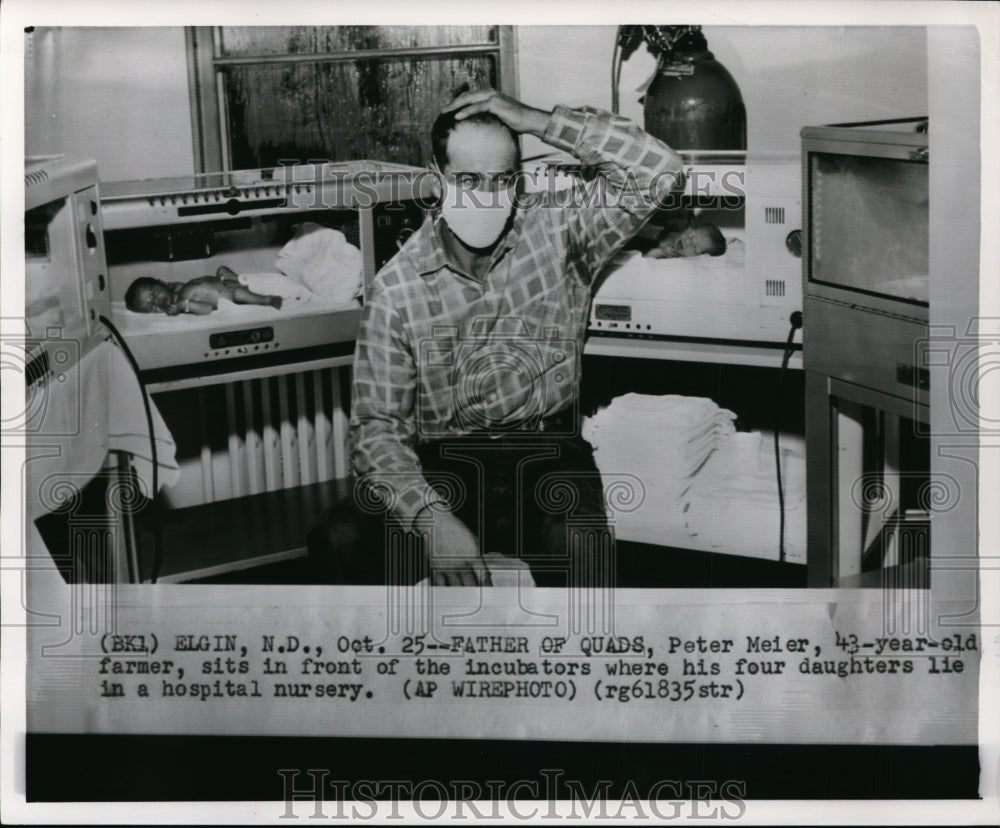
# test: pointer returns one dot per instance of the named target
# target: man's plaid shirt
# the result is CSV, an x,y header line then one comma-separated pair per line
x,y
442,353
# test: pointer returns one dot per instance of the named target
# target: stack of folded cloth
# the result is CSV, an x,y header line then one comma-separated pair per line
x,y
733,503
321,259
654,445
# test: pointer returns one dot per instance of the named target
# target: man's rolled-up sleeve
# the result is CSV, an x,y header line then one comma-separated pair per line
x,y
383,425
635,174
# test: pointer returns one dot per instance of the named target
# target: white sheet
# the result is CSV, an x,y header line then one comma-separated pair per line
x,y
277,284
733,503
92,408
684,279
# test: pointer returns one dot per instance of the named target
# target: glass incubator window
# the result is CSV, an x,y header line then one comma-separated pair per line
x,y
870,225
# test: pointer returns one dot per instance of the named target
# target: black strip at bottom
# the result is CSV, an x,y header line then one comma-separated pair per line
x,y
93,768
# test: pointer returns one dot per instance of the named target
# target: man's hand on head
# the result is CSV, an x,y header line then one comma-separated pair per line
x,y
516,115
455,558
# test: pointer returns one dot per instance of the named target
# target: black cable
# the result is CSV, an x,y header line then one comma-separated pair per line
x,y
616,72
149,422
796,323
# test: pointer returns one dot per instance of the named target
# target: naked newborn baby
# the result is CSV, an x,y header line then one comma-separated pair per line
x,y
198,296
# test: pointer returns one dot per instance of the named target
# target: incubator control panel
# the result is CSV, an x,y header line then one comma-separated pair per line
x,y
241,343
249,336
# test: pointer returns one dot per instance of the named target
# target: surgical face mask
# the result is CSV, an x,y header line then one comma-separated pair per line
x,y
477,217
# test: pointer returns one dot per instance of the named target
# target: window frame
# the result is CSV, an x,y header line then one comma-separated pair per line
x,y
209,121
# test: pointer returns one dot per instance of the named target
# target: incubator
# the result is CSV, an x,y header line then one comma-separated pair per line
x,y
177,229
867,193
745,295
65,289
866,305
255,397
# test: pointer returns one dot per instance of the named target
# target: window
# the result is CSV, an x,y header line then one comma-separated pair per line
x,y
261,94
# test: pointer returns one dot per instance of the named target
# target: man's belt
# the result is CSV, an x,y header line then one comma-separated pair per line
x,y
561,423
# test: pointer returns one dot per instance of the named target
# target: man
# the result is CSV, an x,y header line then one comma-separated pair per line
x,y
466,378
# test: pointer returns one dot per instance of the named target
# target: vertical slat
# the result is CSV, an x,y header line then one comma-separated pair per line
x,y
821,434
270,438
508,60
251,439
850,468
203,95
304,431
339,419
321,427
287,433
207,478
873,509
220,96
366,231
891,483
235,449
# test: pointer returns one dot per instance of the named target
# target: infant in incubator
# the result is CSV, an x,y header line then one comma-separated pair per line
x,y
694,240
199,296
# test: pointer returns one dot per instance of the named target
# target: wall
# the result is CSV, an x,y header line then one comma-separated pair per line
x,y
790,77
570,65
119,95
959,257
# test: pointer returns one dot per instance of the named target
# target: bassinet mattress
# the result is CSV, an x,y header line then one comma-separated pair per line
x,y
298,301
304,320
632,275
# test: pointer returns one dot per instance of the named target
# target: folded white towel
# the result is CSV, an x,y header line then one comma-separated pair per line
x,y
664,440
324,261
665,434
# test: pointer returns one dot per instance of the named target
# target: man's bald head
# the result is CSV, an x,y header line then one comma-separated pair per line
x,y
479,143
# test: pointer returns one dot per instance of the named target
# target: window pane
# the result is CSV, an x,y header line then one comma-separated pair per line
x,y
374,109
246,41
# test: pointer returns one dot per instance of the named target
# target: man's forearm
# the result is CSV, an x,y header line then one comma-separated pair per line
x,y
382,461
635,174
538,121
616,146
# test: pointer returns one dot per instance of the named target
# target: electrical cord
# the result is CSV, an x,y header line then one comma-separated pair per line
x,y
796,322
149,424
616,74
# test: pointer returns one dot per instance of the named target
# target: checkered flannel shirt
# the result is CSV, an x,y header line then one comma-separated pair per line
x,y
442,353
